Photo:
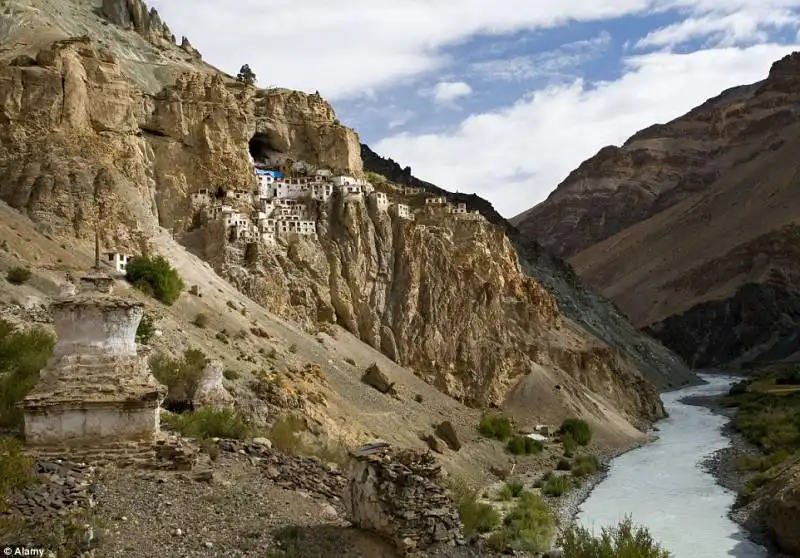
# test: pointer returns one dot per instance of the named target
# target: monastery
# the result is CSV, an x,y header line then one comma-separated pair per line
x,y
280,207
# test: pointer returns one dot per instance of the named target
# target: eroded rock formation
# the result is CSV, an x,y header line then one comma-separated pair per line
x,y
399,495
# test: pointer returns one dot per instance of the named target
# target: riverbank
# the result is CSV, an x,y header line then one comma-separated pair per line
x,y
566,508
723,465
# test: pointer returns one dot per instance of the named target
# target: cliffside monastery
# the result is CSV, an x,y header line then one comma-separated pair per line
x,y
282,204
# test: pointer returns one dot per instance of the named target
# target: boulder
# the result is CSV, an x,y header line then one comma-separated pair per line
x,y
447,432
435,443
375,377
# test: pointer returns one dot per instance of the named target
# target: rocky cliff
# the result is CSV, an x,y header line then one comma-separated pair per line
x,y
575,299
123,126
689,227
119,129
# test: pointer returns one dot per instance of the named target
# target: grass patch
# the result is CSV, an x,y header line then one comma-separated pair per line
x,y
22,355
578,429
510,490
556,486
200,320
210,423
231,374
181,376
626,540
585,465
18,275
145,330
528,527
285,434
477,517
522,445
496,427
564,464
16,469
155,277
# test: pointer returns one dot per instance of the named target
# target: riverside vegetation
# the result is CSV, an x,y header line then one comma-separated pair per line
x,y
767,414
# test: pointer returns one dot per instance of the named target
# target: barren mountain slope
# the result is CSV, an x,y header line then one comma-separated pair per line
x,y
690,227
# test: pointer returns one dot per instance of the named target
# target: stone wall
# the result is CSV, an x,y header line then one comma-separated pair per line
x,y
397,494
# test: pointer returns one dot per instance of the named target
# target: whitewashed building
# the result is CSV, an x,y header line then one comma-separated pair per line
x,y
322,191
201,197
402,210
380,200
438,200
118,261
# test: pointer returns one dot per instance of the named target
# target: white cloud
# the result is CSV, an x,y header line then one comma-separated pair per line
x,y
553,63
721,29
445,92
515,156
345,47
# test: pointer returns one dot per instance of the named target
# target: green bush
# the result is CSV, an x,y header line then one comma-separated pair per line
x,y
200,320
156,277
16,469
285,434
564,464
476,517
497,427
511,489
181,376
522,445
145,330
210,423
526,528
22,355
585,465
626,540
570,445
579,429
556,486
18,275
231,374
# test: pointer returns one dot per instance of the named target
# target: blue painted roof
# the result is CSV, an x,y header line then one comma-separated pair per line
x,y
272,173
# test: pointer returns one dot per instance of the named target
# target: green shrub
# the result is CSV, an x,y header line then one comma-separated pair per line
x,y
200,320
418,398
16,469
145,330
585,465
564,464
522,445
231,374
570,445
477,517
285,434
22,355
497,427
18,275
556,486
579,429
763,463
516,487
350,361
626,540
181,376
156,277
526,528
375,178
210,423
293,348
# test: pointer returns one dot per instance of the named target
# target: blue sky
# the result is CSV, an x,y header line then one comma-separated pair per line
x,y
503,97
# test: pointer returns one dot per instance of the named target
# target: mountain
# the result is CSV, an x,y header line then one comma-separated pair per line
x,y
575,299
690,227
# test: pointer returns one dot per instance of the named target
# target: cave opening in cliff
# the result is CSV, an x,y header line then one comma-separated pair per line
x,y
262,149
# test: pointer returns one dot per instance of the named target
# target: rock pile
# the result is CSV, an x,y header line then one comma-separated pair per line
x,y
290,471
59,488
398,494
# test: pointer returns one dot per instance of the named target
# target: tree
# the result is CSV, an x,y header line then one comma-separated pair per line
x,y
246,75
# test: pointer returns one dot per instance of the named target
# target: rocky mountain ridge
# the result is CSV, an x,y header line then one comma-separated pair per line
x,y
115,131
629,220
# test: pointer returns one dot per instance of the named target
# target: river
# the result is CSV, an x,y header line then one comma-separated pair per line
x,y
663,486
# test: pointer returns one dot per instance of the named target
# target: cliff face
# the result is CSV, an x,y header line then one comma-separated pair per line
x,y
689,227
580,303
443,296
127,130
121,128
